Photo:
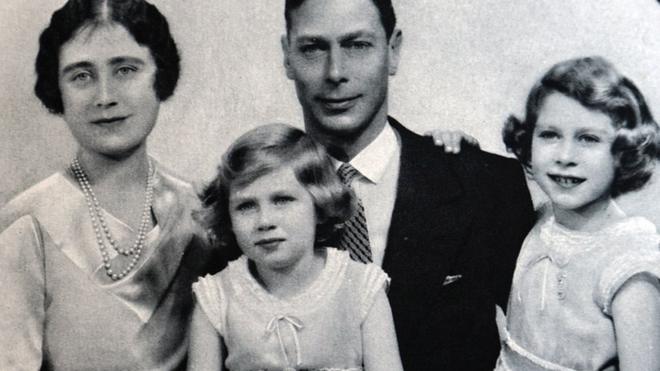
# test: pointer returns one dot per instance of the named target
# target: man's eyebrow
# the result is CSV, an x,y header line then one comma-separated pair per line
x,y
357,34
70,67
308,38
347,36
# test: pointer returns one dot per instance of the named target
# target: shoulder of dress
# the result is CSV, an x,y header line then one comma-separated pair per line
x,y
38,196
633,234
365,274
207,279
174,196
167,179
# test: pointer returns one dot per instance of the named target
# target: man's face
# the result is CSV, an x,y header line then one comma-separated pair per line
x,y
337,53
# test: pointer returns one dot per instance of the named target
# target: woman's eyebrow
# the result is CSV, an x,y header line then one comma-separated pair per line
x,y
73,66
126,59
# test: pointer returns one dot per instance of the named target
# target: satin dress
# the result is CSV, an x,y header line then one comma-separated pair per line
x,y
60,311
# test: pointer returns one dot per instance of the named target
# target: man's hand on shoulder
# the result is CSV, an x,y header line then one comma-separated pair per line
x,y
452,140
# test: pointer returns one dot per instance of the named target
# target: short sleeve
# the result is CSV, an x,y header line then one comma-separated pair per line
x,y
211,298
22,289
622,268
374,279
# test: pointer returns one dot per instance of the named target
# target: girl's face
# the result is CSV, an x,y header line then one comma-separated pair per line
x,y
107,84
274,220
571,154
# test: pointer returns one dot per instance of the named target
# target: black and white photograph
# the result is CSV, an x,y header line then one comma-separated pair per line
x,y
330,185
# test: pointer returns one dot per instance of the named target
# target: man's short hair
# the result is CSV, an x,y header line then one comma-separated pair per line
x,y
385,10
142,20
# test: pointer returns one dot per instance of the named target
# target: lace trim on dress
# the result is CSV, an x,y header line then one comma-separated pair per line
x,y
562,244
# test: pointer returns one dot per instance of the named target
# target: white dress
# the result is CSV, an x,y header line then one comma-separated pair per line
x,y
320,329
559,314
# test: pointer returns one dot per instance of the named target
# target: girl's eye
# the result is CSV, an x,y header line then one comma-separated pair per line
x,y
589,139
245,206
282,200
548,134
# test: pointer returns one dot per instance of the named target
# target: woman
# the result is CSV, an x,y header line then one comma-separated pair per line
x,y
97,260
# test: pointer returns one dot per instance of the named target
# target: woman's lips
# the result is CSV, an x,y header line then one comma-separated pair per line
x,y
109,120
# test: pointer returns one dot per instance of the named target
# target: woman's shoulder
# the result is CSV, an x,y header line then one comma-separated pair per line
x,y
174,202
45,196
167,182
172,179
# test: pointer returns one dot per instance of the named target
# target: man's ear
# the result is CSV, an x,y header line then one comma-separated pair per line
x,y
284,40
395,50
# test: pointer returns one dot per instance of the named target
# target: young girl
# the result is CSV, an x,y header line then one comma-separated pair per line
x,y
585,293
286,303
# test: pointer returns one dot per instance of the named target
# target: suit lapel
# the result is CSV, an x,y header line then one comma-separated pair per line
x,y
429,220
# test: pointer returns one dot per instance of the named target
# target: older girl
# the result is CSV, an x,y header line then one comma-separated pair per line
x,y
97,260
585,292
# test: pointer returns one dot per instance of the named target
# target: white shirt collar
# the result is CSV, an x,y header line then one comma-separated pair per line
x,y
372,161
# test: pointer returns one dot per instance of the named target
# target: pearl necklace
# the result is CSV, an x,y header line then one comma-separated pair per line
x,y
100,226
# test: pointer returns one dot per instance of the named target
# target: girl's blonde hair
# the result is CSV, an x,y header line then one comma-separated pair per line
x,y
259,152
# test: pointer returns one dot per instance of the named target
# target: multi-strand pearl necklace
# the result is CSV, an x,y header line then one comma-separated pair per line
x,y
101,227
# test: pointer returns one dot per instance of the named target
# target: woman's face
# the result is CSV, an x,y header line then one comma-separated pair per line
x,y
107,84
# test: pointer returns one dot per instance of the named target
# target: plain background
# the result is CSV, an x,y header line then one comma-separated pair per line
x,y
466,64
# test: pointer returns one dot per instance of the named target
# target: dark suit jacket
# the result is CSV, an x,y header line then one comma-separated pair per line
x,y
466,215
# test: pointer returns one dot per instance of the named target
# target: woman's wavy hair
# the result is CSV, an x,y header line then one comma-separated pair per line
x,y
142,20
597,85
261,151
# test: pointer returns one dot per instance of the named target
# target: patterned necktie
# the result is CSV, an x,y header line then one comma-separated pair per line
x,y
355,236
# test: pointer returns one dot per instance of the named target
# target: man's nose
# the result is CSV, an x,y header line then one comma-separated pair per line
x,y
106,94
336,66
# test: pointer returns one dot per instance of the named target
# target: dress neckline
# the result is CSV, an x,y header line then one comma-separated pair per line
x,y
64,174
321,287
562,243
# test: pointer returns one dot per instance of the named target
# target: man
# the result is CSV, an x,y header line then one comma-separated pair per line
x,y
446,228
